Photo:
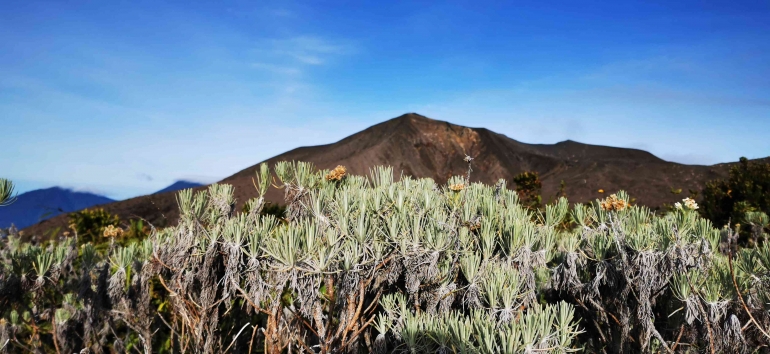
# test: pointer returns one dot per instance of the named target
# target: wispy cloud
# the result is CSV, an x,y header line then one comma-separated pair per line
x,y
302,51
310,49
291,62
144,177
277,69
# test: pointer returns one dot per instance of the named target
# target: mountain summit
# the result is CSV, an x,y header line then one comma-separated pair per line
x,y
422,147
179,185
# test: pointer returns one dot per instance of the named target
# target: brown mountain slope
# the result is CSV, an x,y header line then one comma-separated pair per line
x,y
423,147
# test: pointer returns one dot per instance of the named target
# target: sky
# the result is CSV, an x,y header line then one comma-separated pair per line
x,y
122,98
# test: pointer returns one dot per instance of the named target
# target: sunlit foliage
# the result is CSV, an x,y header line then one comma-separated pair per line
x,y
369,264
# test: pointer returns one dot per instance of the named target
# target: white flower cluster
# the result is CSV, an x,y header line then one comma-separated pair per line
x,y
689,204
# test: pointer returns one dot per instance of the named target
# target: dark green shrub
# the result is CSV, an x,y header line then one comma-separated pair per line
x,y
89,224
747,189
528,185
136,230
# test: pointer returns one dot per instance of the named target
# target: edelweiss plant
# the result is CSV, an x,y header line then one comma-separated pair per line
x,y
371,264
626,265
689,204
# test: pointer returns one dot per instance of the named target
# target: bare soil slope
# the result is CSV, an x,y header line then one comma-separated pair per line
x,y
422,147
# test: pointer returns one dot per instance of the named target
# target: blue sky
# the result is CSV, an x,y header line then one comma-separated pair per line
x,y
124,97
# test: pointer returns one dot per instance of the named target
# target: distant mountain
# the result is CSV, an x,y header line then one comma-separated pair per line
x,y
422,147
35,206
179,185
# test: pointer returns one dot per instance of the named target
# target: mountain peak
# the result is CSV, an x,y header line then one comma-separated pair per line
x,y
416,120
412,116
179,185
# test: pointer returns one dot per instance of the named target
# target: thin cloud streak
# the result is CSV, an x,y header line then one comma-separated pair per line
x,y
277,69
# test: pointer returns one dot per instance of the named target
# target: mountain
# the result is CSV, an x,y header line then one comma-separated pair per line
x,y
423,147
179,185
34,206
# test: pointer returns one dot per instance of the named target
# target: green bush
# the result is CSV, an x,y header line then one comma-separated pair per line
x,y
372,265
529,187
136,230
89,224
747,189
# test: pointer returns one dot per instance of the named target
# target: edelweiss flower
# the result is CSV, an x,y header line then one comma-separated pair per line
x,y
613,203
690,204
112,231
687,204
337,174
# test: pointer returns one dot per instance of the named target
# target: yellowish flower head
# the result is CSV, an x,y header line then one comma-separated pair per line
x,y
112,231
337,174
613,203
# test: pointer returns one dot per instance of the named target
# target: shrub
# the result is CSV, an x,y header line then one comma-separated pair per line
x,y
372,265
528,185
89,224
747,189
137,230
757,222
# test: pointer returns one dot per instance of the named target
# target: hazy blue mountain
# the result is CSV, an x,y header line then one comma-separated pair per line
x,y
41,204
179,185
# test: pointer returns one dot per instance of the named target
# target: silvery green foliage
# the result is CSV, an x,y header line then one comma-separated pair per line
x,y
626,266
349,248
371,264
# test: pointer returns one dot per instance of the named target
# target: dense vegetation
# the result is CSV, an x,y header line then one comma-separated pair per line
x,y
89,224
745,192
361,264
528,185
